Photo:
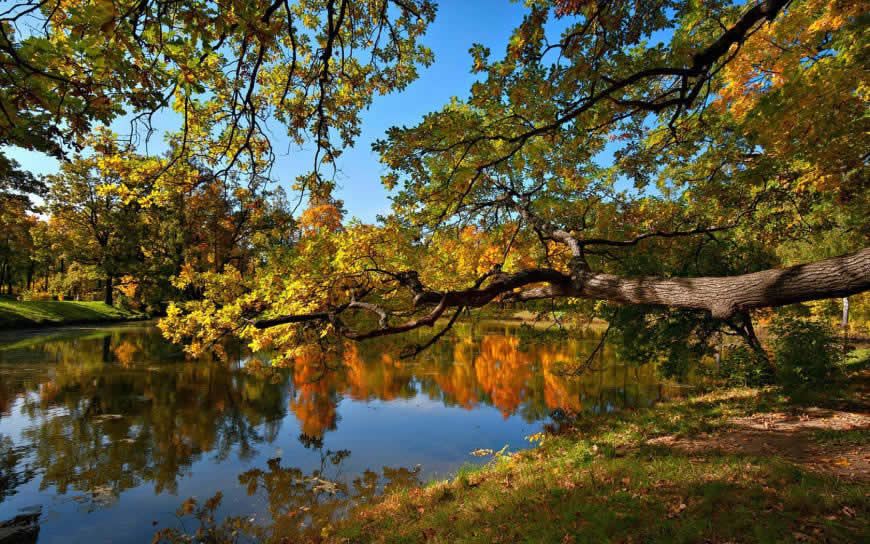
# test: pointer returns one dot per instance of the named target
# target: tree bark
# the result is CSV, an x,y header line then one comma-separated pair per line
x,y
725,296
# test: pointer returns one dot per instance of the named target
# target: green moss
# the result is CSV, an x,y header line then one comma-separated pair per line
x,y
15,314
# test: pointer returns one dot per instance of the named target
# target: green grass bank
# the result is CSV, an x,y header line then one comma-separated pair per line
x,y
736,465
26,314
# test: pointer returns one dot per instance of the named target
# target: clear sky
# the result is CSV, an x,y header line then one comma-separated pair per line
x,y
458,24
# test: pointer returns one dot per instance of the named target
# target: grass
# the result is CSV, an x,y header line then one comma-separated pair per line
x,y
15,314
608,480
857,360
851,437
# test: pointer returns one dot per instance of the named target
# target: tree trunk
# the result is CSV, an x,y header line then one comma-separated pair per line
x,y
108,295
723,297
845,323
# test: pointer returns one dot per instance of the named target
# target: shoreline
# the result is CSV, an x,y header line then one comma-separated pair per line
x,y
713,467
44,325
41,315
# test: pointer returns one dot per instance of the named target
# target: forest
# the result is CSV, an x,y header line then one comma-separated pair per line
x,y
689,180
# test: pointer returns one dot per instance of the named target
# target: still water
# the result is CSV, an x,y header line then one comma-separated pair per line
x,y
106,431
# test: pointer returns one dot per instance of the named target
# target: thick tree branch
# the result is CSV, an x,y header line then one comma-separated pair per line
x,y
723,297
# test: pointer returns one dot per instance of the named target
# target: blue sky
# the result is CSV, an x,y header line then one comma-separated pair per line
x,y
457,26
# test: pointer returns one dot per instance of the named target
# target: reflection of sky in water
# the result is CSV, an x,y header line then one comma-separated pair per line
x,y
106,431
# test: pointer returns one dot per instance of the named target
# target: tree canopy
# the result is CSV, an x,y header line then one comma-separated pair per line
x,y
665,157
225,68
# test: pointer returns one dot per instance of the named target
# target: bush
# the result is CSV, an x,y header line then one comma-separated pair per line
x,y
741,365
806,352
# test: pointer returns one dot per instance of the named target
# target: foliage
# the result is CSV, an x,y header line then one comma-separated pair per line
x,y
17,189
807,353
75,281
707,178
656,139
110,226
224,68
740,365
674,339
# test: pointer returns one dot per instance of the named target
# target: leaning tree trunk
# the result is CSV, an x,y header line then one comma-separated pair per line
x,y
723,297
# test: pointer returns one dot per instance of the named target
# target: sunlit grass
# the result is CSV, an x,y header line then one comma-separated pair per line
x,y
27,313
602,480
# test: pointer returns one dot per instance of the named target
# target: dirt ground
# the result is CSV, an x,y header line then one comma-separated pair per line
x,y
805,436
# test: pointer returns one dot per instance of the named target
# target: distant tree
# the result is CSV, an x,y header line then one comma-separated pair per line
x,y
102,229
17,191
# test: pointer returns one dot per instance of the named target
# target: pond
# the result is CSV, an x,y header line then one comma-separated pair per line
x,y
105,432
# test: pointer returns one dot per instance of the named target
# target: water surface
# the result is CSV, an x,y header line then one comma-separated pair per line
x,y
105,432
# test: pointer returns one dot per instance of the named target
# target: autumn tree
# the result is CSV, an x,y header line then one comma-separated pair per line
x,y
16,245
102,229
18,188
225,68
650,154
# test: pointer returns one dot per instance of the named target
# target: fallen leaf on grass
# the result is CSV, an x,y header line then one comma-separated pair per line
x,y
676,510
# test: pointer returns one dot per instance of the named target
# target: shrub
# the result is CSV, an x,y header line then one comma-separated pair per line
x,y
741,365
805,351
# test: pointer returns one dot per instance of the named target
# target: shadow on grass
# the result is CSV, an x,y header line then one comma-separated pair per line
x,y
609,480
652,495
36,313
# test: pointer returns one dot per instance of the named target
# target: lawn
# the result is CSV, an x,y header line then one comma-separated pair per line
x,y
741,465
14,314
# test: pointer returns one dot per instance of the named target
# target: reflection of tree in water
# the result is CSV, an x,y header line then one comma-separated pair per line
x,y
103,427
515,373
12,474
108,413
315,398
300,503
